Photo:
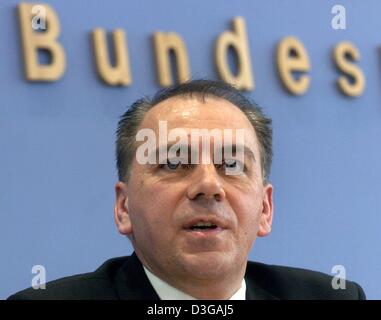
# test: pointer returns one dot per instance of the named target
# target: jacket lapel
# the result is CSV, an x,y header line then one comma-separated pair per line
x,y
255,292
131,282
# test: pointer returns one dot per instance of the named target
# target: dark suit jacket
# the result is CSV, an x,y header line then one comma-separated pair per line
x,y
124,278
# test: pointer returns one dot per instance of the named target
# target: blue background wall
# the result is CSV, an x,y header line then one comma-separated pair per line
x,y
57,140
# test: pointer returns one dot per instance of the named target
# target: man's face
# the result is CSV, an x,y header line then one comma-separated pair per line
x,y
161,204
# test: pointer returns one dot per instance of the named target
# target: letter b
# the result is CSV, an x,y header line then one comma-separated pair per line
x,y
32,41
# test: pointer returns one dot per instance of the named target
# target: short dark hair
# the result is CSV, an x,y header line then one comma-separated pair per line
x,y
130,121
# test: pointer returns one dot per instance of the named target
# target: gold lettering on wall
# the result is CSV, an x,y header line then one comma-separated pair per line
x,y
120,73
292,57
32,41
340,52
164,43
40,29
238,40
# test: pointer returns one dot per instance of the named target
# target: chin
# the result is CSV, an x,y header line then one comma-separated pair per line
x,y
209,264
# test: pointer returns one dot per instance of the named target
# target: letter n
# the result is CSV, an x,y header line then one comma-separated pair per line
x,y
164,44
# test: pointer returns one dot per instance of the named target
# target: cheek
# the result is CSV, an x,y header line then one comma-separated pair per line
x,y
152,208
248,213
249,221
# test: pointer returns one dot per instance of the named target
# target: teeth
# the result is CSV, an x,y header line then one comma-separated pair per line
x,y
204,224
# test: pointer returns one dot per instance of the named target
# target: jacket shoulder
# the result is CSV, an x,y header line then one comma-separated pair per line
x,y
92,285
296,283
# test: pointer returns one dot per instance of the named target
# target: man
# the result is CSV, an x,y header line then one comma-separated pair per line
x,y
192,213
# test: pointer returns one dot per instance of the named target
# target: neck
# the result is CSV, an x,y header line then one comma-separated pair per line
x,y
221,285
210,290
220,288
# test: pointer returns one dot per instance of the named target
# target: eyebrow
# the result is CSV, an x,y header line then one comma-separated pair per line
x,y
247,151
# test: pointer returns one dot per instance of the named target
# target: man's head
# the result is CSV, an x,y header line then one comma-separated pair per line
x,y
130,121
193,224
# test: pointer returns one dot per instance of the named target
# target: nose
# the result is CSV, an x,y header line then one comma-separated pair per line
x,y
206,184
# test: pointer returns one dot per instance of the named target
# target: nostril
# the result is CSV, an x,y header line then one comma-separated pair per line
x,y
199,195
217,196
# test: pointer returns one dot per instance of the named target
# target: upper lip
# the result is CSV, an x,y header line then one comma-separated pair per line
x,y
219,222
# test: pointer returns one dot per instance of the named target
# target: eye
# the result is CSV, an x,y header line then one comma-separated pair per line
x,y
171,165
234,165
230,163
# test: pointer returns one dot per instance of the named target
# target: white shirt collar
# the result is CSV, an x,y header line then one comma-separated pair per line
x,y
167,292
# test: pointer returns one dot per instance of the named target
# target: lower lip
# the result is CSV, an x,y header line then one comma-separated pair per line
x,y
204,233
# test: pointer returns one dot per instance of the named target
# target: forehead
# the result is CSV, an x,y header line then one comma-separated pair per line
x,y
194,112
189,113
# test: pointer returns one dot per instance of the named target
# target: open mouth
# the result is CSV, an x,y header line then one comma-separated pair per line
x,y
203,226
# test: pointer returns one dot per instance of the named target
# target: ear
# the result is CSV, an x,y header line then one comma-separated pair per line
x,y
266,218
121,214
